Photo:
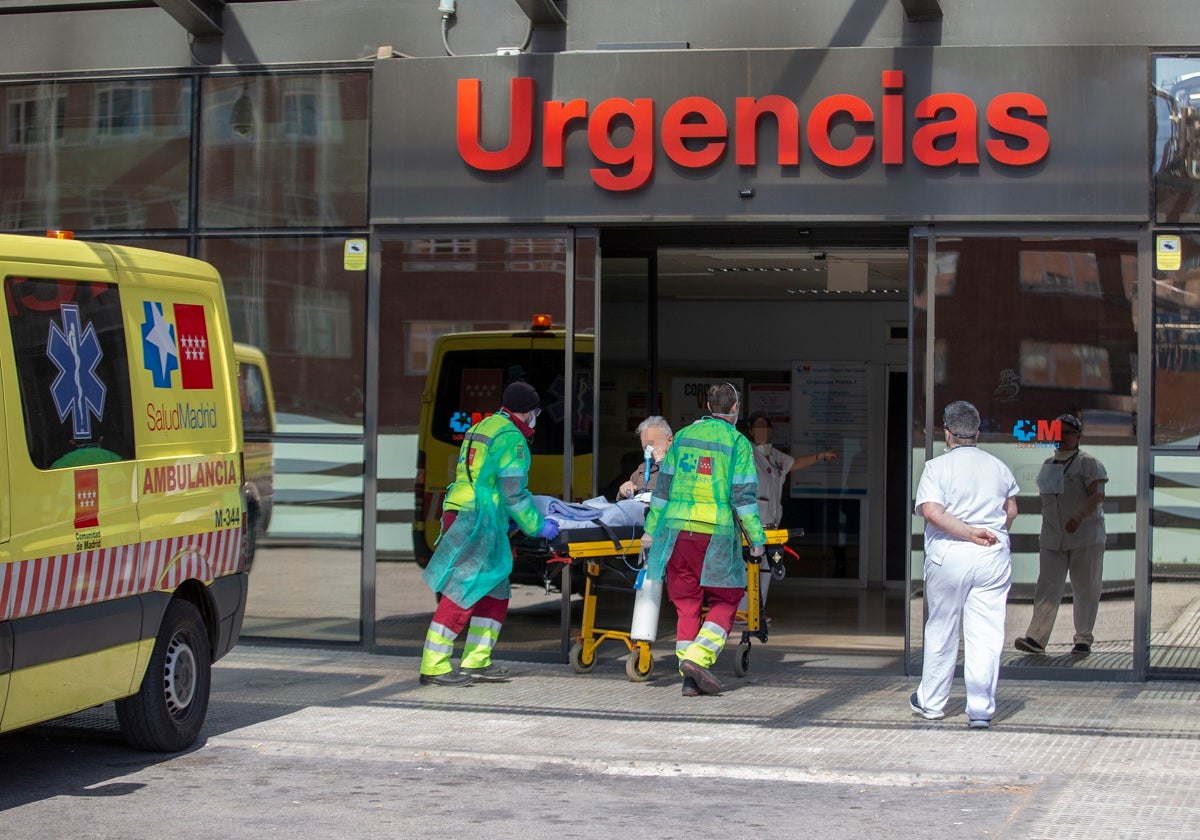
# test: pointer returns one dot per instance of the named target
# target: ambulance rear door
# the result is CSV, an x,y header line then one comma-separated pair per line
x,y
72,550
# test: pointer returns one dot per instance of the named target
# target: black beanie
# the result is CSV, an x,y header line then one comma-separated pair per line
x,y
520,397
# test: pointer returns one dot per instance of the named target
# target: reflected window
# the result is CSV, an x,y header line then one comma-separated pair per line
x,y
1055,365
96,156
537,255
1060,273
286,150
122,110
422,335
293,299
443,255
35,116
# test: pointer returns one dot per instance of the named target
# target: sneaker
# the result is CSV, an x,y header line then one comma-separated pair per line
x,y
918,709
705,681
489,673
449,678
1081,649
1028,644
690,689
979,723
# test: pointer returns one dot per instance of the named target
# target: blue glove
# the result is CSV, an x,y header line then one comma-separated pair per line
x,y
549,529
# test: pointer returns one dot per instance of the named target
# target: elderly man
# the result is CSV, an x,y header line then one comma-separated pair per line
x,y
655,435
968,500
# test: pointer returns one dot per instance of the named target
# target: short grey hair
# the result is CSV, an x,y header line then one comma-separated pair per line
x,y
654,422
962,419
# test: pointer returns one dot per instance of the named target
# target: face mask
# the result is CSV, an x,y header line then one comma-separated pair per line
x,y
532,424
762,447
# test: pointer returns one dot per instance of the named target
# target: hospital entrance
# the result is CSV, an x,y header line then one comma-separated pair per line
x,y
814,334
812,331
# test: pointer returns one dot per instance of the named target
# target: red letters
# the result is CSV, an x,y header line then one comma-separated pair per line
x,y
520,126
818,130
712,127
639,152
695,132
1000,118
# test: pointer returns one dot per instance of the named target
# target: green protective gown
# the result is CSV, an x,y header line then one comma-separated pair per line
x,y
707,477
474,558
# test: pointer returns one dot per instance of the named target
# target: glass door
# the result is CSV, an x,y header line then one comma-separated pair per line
x,y
463,314
1040,333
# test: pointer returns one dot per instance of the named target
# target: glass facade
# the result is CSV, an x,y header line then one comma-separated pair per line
x,y
267,176
457,326
1175,431
277,186
1029,328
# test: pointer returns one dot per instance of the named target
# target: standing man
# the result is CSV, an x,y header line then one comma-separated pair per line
x,y
706,486
654,433
473,559
1072,540
968,500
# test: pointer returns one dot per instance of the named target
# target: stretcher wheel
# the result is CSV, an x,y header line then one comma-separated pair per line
x,y
741,662
577,663
633,667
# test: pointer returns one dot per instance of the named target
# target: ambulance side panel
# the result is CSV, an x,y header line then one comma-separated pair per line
x,y
187,419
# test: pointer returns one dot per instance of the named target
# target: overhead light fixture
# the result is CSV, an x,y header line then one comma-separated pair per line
x,y
241,119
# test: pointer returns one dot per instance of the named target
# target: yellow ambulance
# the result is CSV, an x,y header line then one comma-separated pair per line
x,y
258,423
122,575
467,374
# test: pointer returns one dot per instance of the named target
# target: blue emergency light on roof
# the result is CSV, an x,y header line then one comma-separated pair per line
x,y
541,322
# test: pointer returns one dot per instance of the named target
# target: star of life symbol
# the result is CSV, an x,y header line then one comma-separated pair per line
x,y
1024,430
76,352
460,421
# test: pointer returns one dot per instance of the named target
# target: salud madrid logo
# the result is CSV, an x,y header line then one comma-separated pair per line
x,y
1037,434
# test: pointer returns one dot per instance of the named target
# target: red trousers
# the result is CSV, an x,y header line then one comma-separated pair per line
x,y
683,588
456,618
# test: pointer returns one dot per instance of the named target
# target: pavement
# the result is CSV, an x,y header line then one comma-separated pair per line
x,y
1068,759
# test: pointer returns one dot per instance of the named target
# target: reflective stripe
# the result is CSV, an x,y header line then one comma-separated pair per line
x,y
439,645
481,638
485,623
708,645
442,630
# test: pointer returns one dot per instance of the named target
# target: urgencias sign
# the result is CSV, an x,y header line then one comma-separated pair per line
x,y
694,131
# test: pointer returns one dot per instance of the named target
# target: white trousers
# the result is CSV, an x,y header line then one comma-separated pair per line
x,y
1086,567
967,592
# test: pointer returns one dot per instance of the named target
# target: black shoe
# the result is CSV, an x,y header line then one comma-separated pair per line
x,y
449,678
1081,649
491,673
1028,644
705,681
690,689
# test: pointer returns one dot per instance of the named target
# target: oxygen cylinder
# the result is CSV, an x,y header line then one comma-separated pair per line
x,y
647,598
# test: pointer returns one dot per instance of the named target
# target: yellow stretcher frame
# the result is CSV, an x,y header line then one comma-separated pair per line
x,y
639,666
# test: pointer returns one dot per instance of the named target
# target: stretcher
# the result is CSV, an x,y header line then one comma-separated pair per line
x,y
605,557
